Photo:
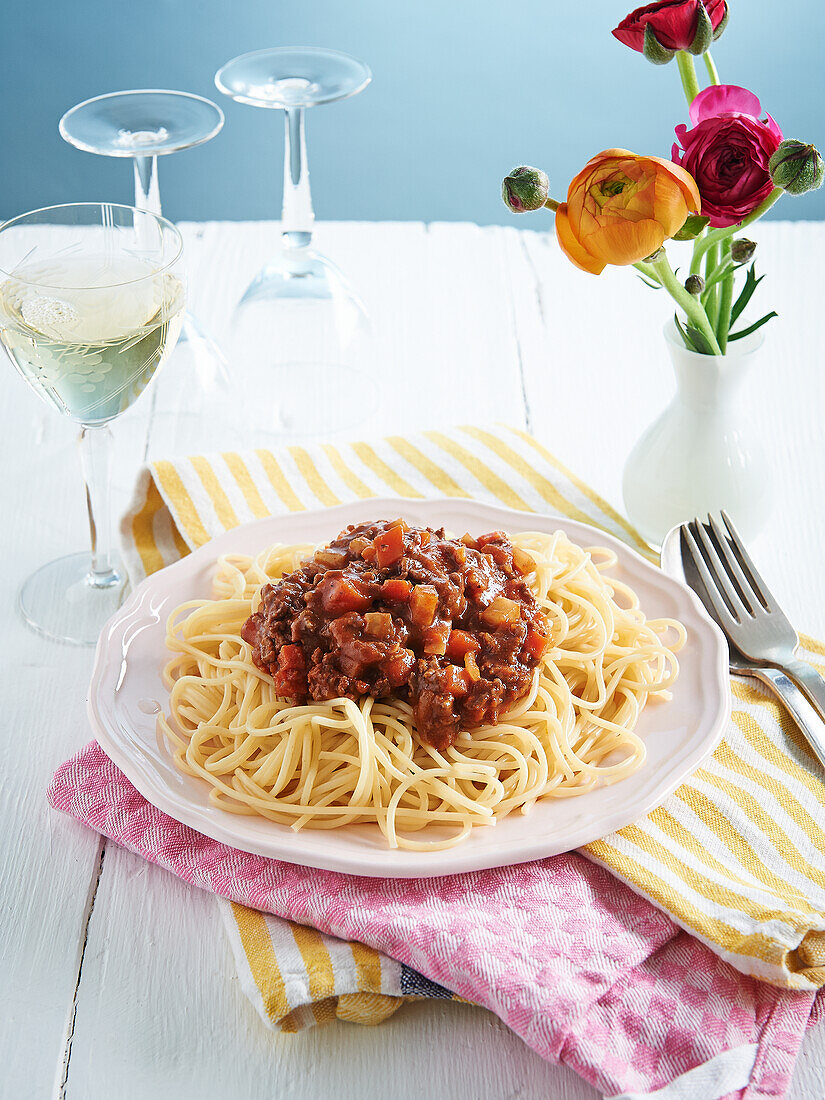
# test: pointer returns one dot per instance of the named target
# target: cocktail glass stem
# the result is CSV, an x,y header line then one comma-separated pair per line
x,y
147,191
95,459
297,216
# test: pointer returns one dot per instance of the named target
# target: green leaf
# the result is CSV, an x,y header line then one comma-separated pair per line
x,y
647,282
688,342
693,226
751,283
752,328
699,340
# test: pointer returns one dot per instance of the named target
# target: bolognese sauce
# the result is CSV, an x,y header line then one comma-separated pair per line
x,y
450,625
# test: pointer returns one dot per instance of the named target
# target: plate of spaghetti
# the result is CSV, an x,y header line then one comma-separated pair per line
x,y
406,688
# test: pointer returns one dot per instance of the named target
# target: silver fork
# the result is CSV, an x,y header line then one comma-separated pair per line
x,y
737,597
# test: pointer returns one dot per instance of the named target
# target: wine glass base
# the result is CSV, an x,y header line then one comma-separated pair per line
x,y
141,123
292,76
59,602
301,341
300,273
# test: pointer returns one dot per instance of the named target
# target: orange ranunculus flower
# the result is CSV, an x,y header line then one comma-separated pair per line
x,y
622,207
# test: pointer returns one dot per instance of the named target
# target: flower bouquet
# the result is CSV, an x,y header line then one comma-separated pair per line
x,y
728,167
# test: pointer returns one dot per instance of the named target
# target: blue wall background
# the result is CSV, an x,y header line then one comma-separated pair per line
x,y
463,90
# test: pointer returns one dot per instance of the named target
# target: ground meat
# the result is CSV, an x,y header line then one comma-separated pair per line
x,y
386,609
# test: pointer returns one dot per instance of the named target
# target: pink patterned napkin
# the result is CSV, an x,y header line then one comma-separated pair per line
x,y
583,969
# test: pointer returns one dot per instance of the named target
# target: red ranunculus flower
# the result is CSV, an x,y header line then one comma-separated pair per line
x,y
727,152
672,21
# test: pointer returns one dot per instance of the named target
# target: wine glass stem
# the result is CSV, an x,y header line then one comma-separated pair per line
x,y
297,217
147,192
95,458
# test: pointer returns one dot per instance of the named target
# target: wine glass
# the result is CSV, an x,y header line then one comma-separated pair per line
x,y
299,334
145,124
91,304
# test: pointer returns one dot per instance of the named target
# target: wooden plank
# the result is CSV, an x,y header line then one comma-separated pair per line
x,y
161,1015
49,862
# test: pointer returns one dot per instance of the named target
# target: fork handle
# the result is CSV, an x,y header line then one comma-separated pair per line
x,y
809,680
809,718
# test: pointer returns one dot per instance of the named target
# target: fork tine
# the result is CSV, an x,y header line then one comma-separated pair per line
x,y
750,594
741,610
720,608
760,588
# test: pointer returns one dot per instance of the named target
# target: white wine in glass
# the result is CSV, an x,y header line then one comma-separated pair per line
x,y
91,304
84,348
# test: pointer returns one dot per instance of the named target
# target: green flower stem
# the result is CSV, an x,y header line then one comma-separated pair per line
x,y
711,68
687,71
693,309
696,259
725,300
648,272
711,300
551,204
721,271
716,236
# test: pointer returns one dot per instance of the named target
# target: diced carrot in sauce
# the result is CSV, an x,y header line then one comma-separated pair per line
x,y
435,639
389,547
475,583
399,666
378,624
460,643
535,643
291,678
424,604
491,536
471,667
500,556
458,682
340,594
468,540
397,590
425,538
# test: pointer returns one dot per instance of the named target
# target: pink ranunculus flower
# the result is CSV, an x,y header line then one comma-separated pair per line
x,y
727,152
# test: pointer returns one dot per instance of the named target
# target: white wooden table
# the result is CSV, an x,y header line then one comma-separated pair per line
x,y
115,978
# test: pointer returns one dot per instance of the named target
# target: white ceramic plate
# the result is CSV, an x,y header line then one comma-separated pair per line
x,y
127,692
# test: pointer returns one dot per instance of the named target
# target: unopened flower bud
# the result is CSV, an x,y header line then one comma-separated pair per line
x,y
796,167
525,189
694,284
742,250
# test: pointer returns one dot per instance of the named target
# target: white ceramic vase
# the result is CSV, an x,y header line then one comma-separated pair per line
x,y
702,454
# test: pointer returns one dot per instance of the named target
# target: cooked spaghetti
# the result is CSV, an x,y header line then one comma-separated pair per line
x,y
589,661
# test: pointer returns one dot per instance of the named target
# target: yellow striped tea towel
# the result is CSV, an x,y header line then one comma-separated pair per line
x,y
736,856
297,977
